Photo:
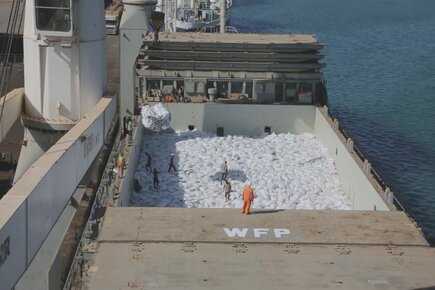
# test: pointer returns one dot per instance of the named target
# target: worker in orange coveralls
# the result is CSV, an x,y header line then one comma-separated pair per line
x,y
248,198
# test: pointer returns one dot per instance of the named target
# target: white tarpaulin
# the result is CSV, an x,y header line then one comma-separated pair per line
x,y
156,117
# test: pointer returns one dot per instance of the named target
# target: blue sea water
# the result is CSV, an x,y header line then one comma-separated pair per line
x,y
381,81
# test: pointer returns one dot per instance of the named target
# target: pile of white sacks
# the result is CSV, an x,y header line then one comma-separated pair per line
x,y
286,171
156,117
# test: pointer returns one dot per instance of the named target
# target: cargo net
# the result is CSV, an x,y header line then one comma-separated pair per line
x,y
156,117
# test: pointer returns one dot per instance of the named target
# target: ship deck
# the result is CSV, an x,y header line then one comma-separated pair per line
x,y
178,248
246,38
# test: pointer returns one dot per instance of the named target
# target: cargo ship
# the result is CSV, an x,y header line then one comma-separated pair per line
x,y
225,86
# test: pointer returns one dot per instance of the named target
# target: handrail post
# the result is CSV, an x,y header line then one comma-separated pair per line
x,y
325,109
336,124
367,167
349,143
390,199
387,193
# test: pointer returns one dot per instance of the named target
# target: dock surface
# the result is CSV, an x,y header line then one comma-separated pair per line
x,y
178,248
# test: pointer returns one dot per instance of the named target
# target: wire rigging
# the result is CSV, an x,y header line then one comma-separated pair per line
x,y
11,33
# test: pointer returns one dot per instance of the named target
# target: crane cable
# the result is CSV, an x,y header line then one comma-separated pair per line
x,y
7,47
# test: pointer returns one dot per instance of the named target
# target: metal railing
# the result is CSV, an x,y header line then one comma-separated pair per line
x,y
231,29
215,29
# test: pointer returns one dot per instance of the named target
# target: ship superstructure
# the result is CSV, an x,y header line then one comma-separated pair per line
x,y
195,15
280,69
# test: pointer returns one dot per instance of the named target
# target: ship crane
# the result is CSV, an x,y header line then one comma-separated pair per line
x,y
64,70
64,46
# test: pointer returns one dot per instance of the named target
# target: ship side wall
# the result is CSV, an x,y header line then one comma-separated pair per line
x,y
243,119
36,203
44,272
132,159
356,185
